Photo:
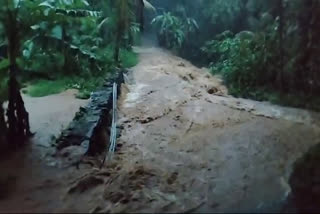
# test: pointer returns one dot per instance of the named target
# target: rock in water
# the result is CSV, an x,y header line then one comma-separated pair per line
x,y
305,182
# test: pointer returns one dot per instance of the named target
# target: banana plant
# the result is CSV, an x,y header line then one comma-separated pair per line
x,y
55,30
60,7
173,30
170,30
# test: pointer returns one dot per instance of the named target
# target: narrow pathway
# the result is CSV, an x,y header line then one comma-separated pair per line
x,y
205,150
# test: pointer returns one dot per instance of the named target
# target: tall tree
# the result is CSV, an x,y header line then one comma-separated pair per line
x,y
311,44
18,117
3,126
123,13
281,48
140,13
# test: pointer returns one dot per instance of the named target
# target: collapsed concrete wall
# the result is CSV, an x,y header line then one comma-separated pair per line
x,y
91,126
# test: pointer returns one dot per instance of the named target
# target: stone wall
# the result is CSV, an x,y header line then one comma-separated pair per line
x,y
91,126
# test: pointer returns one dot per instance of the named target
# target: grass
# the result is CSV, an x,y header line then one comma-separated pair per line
x,y
128,58
41,88
85,85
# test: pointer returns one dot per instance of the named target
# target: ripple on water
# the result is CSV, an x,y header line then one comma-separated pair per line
x,y
136,92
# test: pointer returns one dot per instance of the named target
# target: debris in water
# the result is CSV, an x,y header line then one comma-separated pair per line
x,y
86,183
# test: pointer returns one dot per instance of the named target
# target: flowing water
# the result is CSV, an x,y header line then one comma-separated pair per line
x,y
186,146
227,154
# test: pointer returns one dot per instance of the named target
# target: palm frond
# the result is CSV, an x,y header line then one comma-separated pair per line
x,y
104,21
72,13
149,6
79,13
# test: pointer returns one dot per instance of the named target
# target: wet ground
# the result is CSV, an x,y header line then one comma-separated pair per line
x,y
185,146
51,114
29,180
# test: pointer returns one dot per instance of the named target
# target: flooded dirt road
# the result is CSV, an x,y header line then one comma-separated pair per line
x,y
185,146
208,151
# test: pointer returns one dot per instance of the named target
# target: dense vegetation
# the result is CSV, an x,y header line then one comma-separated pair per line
x,y
47,46
265,50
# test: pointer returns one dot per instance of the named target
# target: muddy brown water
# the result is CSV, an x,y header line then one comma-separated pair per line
x,y
231,155
29,179
186,146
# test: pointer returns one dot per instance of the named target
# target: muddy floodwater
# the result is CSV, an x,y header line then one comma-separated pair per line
x,y
226,154
185,146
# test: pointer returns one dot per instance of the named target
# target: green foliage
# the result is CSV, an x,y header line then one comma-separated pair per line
x,y
3,90
173,30
170,30
222,11
128,58
4,63
241,61
246,64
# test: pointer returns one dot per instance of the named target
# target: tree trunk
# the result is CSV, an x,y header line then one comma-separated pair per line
x,y
130,40
281,50
18,117
303,68
3,127
66,65
314,77
119,35
140,14
117,49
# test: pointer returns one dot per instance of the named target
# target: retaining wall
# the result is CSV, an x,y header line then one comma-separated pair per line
x,y
91,125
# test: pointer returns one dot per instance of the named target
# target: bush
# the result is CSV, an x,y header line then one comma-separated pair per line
x,y
128,58
249,64
245,63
